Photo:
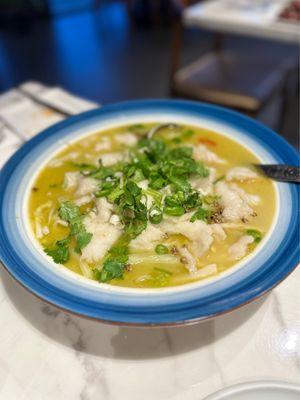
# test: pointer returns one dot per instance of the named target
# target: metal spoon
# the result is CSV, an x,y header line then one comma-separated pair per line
x,y
280,172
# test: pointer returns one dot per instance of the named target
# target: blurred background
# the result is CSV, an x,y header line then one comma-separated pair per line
x,y
242,54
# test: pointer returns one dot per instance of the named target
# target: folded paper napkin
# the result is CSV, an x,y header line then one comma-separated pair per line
x,y
30,108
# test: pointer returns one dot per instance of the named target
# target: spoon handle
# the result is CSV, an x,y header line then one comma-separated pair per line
x,y
283,173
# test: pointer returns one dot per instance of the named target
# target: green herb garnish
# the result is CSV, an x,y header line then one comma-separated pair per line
x,y
60,252
257,235
115,261
161,249
70,213
201,214
111,270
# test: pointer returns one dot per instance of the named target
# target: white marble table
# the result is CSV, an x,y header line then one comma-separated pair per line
x,y
46,354
244,17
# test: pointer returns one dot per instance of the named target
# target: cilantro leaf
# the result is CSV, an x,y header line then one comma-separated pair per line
x,y
83,238
68,211
200,214
111,270
60,252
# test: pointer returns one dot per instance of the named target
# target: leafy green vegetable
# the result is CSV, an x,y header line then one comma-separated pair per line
x,y
162,165
70,213
115,261
111,270
257,235
175,211
131,210
83,238
161,249
200,214
181,202
102,173
157,196
60,252
155,214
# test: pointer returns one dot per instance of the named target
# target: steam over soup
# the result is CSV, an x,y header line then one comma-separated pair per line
x,y
142,207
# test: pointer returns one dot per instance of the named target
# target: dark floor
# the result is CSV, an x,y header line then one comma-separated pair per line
x,y
97,56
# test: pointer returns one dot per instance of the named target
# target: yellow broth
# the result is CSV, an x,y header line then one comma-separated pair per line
x,y
149,269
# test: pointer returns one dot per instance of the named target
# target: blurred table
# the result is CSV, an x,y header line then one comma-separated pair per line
x,y
246,17
48,354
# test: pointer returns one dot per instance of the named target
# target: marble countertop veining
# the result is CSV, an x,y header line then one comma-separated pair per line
x,y
47,354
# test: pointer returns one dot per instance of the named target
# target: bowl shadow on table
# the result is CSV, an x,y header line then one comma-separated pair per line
x,y
83,335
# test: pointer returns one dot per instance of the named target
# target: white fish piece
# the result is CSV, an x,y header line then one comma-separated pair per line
x,y
208,270
199,233
240,174
204,185
239,249
104,144
58,162
71,179
103,210
202,153
188,259
115,220
126,138
251,199
183,218
86,186
218,231
83,200
109,159
104,233
143,184
148,238
235,207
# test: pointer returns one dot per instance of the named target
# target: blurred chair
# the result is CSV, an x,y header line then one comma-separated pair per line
x,y
240,81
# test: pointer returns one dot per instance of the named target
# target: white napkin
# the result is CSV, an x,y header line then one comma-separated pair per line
x,y
22,114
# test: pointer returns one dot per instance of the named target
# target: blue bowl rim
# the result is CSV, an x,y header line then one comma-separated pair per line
x,y
286,152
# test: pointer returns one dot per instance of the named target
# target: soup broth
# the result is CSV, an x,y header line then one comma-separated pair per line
x,y
141,207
